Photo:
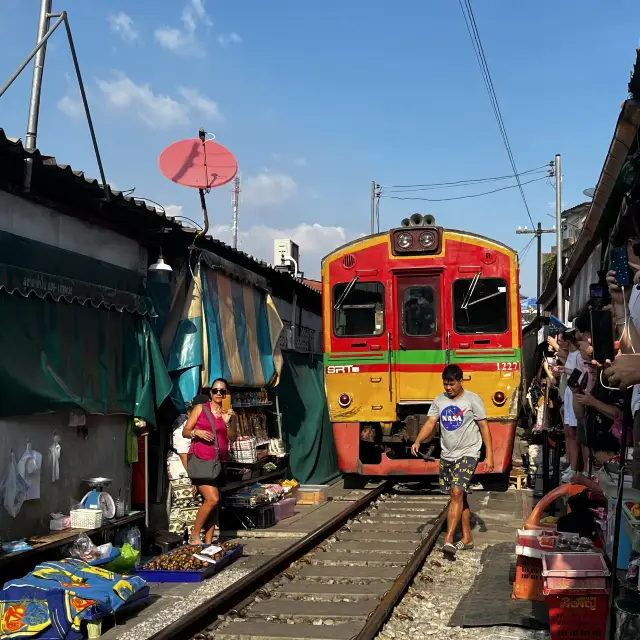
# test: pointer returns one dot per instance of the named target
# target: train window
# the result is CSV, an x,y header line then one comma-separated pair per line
x,y
480,305
361,311
418,311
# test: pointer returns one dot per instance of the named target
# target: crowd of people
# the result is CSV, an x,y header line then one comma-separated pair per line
x,y
586,399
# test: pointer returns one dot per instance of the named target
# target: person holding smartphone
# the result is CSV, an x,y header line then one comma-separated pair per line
x,y
210,429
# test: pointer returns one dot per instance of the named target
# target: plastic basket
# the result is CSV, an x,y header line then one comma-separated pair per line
x,y
261,517
244,450
573,617
284,509
86,518
529,583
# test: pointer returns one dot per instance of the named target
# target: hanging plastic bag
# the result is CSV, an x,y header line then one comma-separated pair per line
x,y
13,488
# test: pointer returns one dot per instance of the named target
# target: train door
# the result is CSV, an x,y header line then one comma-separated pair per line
x,y
419,353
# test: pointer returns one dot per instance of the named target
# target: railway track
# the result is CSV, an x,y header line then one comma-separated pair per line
x,y
340,582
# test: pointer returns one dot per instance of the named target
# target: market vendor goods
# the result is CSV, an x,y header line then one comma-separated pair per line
x,y
188,558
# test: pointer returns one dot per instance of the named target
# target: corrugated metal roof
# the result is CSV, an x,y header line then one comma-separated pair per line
x,y
118,211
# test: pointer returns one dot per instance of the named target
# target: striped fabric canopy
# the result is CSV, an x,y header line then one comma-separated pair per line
x,y
228,329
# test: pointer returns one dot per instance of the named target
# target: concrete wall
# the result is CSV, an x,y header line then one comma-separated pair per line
x,y
304,319
101,454
24,218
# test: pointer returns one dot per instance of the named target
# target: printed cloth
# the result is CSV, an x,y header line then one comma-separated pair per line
x,y
50,602
184,506
457,473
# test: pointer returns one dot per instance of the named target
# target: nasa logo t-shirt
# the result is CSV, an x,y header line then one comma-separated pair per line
x,y
459,432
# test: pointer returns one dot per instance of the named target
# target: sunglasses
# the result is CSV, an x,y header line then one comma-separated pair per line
x,y
219,392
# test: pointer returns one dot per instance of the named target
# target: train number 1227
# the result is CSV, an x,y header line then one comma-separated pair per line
x,y
508,366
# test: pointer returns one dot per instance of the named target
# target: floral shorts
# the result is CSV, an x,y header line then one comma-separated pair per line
x,y
457,473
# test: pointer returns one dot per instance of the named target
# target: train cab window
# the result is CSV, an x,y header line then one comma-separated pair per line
x,y
358,309
418,311
480,305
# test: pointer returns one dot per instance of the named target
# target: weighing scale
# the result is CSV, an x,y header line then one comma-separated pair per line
x,y
97,498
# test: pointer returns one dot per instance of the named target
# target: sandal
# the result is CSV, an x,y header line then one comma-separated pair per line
x,y
195,542
451,549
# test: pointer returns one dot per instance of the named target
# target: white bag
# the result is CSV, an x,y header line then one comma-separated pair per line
x,y
14,488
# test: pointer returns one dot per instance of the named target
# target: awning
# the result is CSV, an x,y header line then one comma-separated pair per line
x,y
226,329
588,275
28,267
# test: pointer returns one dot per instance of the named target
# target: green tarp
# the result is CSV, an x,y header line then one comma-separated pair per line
x,y
28,267
306,429
55,355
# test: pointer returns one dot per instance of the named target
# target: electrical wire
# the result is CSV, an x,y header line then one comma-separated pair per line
x,y
478,49
457,183
525,251
473,195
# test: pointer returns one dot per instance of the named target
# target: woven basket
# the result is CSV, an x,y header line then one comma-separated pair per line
x,y
86,518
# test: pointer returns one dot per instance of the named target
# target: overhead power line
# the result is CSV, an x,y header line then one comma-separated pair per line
x,y
472,195
457,183
472,28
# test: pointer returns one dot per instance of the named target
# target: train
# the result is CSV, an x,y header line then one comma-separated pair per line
x,y
397,307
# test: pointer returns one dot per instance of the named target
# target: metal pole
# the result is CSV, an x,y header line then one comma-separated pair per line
x,y
559,260
36,82
236,193
85,103
539,283
30,57
373,208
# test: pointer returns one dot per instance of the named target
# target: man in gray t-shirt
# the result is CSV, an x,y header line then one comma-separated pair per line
x,y
463,429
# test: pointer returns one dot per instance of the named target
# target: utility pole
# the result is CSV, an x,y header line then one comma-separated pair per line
x,y
560,292
538,233
373,208
236,197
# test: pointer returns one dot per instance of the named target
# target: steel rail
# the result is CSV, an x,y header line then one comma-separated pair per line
x,y
381,613
193,622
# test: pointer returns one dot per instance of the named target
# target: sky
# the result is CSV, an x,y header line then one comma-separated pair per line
x,y
318,99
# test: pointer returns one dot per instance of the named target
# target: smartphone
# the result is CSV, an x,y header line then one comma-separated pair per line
x,y
596,295
574,379
619,262
602,335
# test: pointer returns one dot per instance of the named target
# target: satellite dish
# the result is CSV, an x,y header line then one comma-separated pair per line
x,y
197,163
589,192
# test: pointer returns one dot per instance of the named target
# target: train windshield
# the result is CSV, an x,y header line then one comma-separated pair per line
x,y
358,309
480,305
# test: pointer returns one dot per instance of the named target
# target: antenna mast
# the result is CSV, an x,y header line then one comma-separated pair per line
x,y
236,197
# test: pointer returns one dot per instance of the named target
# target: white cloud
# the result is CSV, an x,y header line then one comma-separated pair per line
x,y
300,162
173,210
268,189
225,39
122,25
184,41
71,107
200,103
315,242
154,109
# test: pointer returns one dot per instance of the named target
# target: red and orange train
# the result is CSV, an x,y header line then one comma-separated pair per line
x,y
397,307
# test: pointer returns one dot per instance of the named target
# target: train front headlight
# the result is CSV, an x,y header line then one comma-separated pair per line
x,y
428,239
404,240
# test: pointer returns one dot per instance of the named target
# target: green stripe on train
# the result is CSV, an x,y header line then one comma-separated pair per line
x,y
419,357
